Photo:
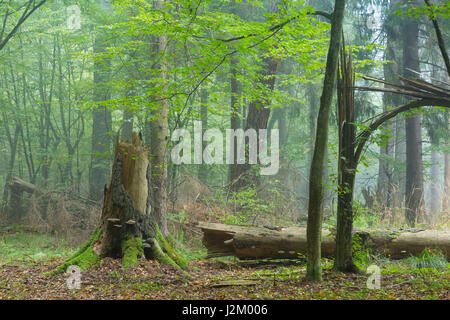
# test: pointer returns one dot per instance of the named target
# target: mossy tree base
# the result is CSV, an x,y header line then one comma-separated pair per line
x,y
85,257
128,229
313,272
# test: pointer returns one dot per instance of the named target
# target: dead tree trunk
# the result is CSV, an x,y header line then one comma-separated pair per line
x,y
346,165
128,228
247,242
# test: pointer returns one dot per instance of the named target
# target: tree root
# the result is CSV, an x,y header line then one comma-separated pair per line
x,y
168,249
163,252
85,257
132,251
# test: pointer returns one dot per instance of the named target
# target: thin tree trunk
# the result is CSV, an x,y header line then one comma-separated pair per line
x,y
414,167
400,157
315,204
203,169
435,190
385,172
159,139
445,197
446,193
235,121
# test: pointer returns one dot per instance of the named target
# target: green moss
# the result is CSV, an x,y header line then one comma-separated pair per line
x,y
168,249
85,257
92,239
145,286
162,257
131,250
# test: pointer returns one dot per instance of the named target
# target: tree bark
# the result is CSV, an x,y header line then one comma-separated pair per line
x,y
435,192
127,126
235,121
203,169
346,165
414,168
385,172
315,204
446,193
445,197
160,138
101,124
257,118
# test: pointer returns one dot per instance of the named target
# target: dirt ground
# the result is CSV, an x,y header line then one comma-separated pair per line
x,y
213,280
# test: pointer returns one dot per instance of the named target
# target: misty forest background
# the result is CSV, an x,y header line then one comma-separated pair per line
x,y
75,73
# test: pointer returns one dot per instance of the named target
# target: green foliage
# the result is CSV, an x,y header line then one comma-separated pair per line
x,y
235,219
429,260
435,10
145,286
361,254
364,217
250,204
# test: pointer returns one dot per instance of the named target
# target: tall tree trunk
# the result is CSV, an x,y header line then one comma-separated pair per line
x,y
101,123
445,196
436,178
315,204
385,170
235,121
257,118
346,166
203,169
159,139
414,168
400,157
435,190
446,193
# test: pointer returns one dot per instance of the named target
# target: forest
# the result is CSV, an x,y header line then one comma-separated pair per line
x,y
224,150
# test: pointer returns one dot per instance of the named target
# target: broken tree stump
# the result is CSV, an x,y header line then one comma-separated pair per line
x,y
15,209
246,242
128,228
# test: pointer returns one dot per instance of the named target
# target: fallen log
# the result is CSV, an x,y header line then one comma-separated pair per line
x,y
247,242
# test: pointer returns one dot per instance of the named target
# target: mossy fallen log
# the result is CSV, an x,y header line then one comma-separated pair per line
x,y
247,242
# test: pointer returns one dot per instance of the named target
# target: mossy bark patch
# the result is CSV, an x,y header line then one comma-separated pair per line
x,y
132,251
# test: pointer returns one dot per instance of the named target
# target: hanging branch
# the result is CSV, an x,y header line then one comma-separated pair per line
x,y
429,94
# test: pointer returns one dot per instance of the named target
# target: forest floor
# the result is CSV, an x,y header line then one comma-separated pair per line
x,y
22,269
